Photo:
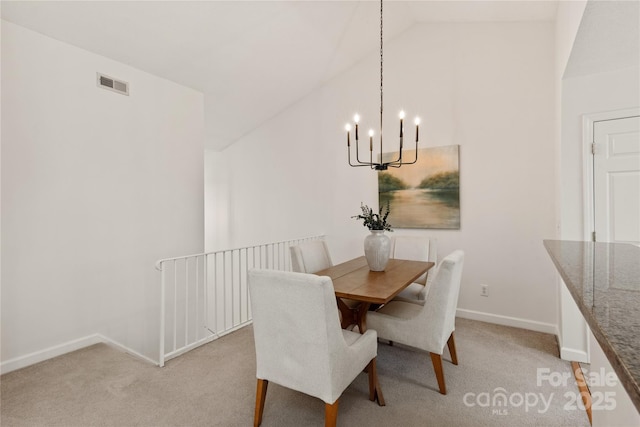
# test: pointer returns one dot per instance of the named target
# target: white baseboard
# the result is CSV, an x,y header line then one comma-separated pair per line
x,y
574,355
48,353
516,322
127,350
58,350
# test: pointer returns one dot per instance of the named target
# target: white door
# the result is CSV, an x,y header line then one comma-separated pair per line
x,y
616,180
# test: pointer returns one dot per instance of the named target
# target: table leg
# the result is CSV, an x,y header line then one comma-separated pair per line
x,y
362,316
354,316
349,317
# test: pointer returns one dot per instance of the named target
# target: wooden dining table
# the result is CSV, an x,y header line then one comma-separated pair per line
x,y
352,280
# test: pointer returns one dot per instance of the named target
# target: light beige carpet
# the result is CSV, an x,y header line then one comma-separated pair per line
x,y
214,385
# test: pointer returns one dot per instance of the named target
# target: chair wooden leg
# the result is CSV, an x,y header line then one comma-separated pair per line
x,y
436,359
451,343
261,394
330,414
375,392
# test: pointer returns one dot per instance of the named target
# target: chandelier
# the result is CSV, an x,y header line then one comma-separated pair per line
x,y
380,166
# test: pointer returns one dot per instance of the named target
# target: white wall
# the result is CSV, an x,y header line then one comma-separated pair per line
x,y
572,328
96,186
593,93
0,172
589,94
487,87
578,96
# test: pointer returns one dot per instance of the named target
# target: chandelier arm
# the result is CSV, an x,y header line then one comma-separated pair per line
x,y
415,159
359,162
349,156
400,162
412,162
399,159
371,153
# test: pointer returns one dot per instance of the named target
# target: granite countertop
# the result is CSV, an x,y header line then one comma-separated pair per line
x,y
604,280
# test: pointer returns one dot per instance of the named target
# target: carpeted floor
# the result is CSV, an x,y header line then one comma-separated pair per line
x,y
496,384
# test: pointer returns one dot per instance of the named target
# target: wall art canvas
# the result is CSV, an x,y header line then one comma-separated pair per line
x,y
425,194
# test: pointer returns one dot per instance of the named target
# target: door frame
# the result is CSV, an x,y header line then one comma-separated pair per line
x,y
588,122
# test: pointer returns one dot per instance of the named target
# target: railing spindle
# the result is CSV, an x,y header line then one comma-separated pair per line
x,y
196,324
215,292
162,316
239,286
224,289
175,304
186,301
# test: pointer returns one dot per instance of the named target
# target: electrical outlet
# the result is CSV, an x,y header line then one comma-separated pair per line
x,y
484,290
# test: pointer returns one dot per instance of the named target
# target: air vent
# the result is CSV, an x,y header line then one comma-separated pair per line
x,y
112,84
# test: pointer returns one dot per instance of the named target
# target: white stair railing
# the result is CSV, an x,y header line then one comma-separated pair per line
x,y
205,296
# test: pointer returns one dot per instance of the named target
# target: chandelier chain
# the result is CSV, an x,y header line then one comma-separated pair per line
x,y
381,74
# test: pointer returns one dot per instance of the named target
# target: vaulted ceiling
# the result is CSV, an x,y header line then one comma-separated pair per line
x,y
251,59
608,38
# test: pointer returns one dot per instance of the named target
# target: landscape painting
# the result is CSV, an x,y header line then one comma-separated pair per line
x,y
425,194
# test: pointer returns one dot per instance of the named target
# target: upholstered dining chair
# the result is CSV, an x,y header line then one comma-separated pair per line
x,y
313,256
299,342
310,256
430,326
416,249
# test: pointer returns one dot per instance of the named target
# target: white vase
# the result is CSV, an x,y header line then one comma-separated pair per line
x,y
377,247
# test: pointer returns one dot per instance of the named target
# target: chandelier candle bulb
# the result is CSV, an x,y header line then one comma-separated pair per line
x,y
356,119
417,126
370,139
348,129
401,125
